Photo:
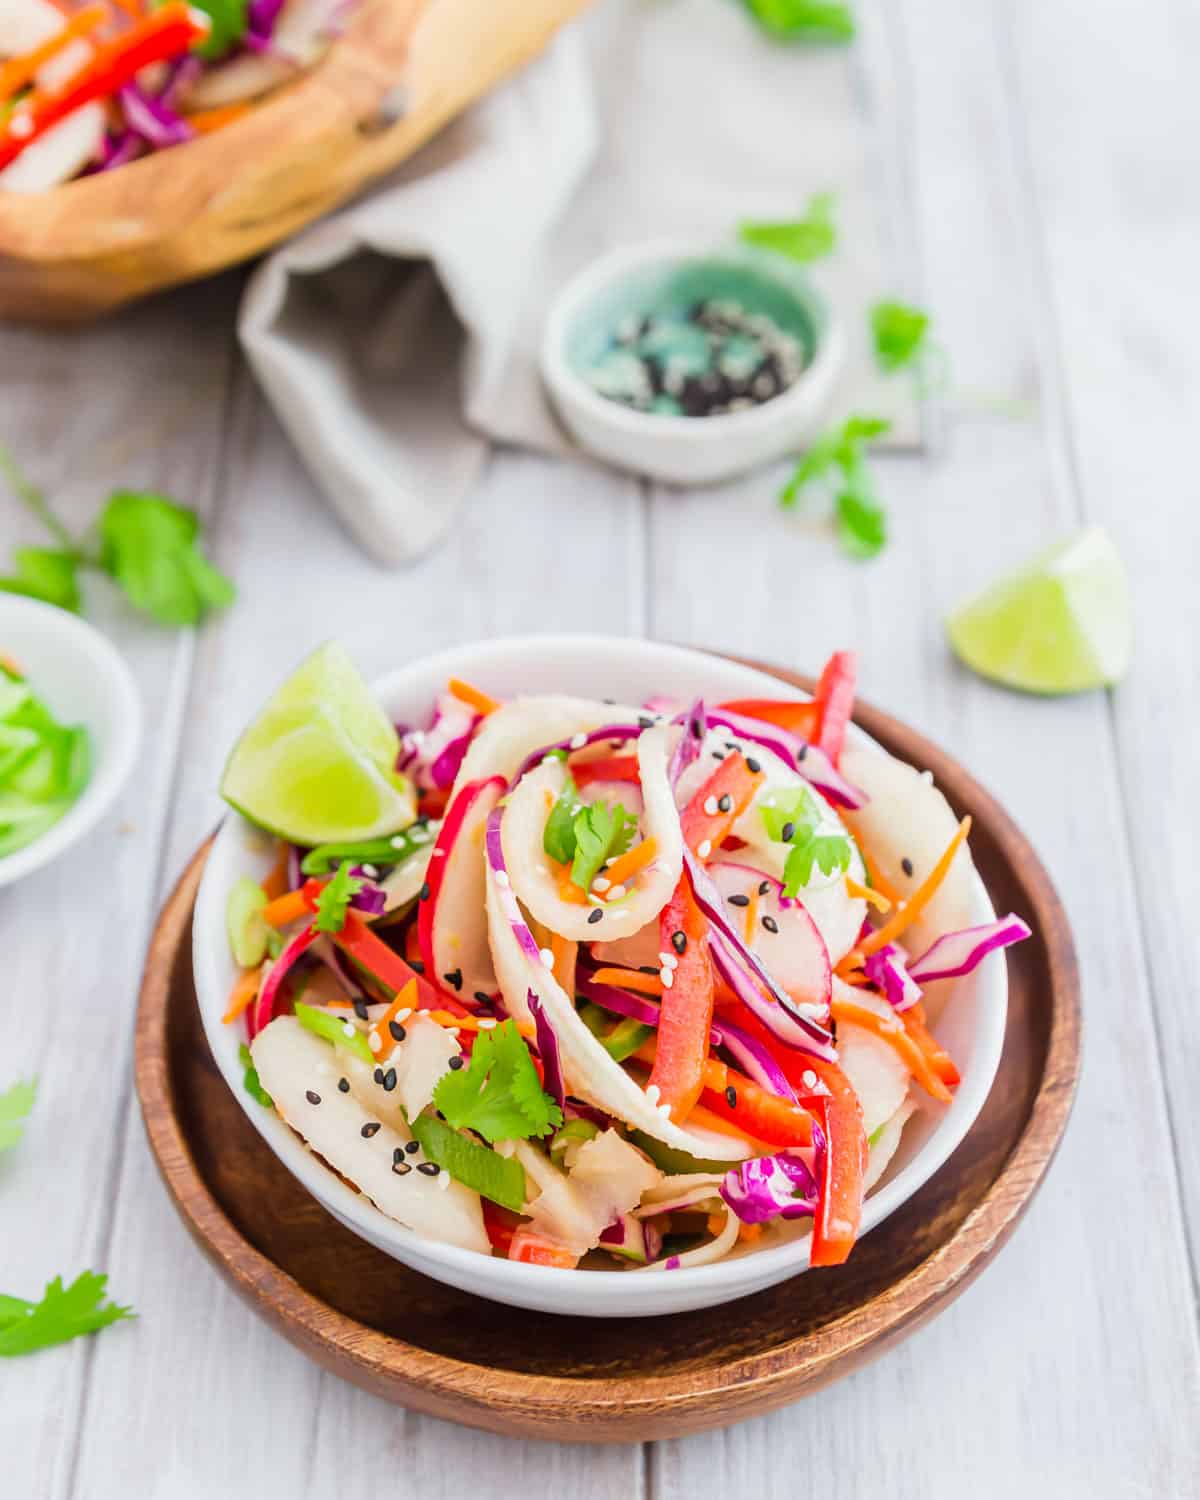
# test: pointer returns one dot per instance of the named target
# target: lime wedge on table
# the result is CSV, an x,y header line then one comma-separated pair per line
x,y
318,763
1060,625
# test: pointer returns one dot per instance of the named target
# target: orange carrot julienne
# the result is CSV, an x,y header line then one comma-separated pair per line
x,y
276,883
475,1023
891,1029
920,898
865,893
18,71
629,979
205,121
285,909
878,880
242,995
631,862
567,889
715,1073
752,916
474,697
563,950
379,1039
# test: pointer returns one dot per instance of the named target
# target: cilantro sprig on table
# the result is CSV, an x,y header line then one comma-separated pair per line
x,y
795,819
586,837
498,1094
144,542
64,1312
838,457
900,337
806,239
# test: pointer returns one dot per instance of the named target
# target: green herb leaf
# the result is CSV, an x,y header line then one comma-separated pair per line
x,y
859,518
794,810
827,852
229,25
803,20
861,524
500,1178
15,1105
334,901
45,573
900,334
602,831
807,239
498,1094
558,840
148,544
250,1079
63,1313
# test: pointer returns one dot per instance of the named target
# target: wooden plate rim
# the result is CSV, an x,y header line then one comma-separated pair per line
x,y
448,1387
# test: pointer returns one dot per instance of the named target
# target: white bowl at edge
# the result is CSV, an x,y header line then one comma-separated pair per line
x,y
82,679
971,1026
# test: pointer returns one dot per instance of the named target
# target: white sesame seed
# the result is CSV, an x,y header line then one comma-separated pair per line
x,y
616,892
501,877
710,806
668,978
453,1030
402,1015
401,840
667,960
810,1079
486,1023
443,1181
370,872
927,777
546,957
768,802
665,1111
705,849
542,870
348,1029
653,1093
601,884
375,1042
578,741
619,914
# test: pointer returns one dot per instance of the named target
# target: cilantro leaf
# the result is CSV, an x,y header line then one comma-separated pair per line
x,y
63,1313
602,831
860,521
809,238
15,1104
498,1094
229,25
148,545
250,1079
45,573
558,840
334,900
861,524
828,852
899,333
803,20
793,809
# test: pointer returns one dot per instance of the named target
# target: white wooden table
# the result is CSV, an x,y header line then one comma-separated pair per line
x,y
1049,195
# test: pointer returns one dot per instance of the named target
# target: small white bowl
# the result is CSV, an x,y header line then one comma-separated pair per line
x,y
971,1025
685,450
81,678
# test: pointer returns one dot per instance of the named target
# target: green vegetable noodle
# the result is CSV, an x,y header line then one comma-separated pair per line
x,y
499,1178
396,849
333,1029
250,1079
248,933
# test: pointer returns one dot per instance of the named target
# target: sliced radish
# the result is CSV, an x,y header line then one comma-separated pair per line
x,y
452,922
794,953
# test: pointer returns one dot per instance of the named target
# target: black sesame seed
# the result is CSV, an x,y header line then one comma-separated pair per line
x,y
770,924
645,721
679,942
764,887
389,1080
456,1063
343,1085
423,895
594,916
802,752
378,1075
398,1032
312,1096
697,729
483,997
739,900
398,1154
753,765
412,1147
724,803
731,1096
369,1129
416,965
430,1168
401,1168
718,755
788,832
360,1009
649,968
907,866
454,978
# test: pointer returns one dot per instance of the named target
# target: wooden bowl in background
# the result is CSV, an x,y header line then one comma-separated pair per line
x,y
91,245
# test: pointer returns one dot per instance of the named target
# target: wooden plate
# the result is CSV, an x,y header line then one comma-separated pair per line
x,y
426,1346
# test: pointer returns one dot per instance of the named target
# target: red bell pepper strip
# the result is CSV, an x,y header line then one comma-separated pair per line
x,y
263,1010
165,33
532,1248
728,792
835,701
500,1224
685,1013
607,768
842,1165
802,719
358,942
760,1114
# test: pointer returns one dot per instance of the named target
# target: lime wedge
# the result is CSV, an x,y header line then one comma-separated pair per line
x,y
318,763
1060,625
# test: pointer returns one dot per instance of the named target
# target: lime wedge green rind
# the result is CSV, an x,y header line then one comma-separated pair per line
x,y
317,764
1060,625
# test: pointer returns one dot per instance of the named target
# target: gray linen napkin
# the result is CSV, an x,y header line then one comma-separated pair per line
x,y
398,337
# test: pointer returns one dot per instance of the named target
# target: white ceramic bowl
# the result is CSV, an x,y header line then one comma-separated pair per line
x,y
972,1025
683,450
81,678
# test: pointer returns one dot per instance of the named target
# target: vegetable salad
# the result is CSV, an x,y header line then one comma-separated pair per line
x,y
90,85
634,986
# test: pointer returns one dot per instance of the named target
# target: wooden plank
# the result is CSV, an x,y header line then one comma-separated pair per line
x,y
539,547
1110,150
135,402
1036,1380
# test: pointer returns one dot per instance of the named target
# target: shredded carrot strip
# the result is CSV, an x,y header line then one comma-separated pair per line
x,y
276,883
378,1038
716,1222
750,1232
132,8
205,121
752,917
865,893
715,1074
891,1030
472,1023
242,994
474,697
285,909
630,979
908,911
567,889
853,961
563,951
19,71
631,862
878,880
